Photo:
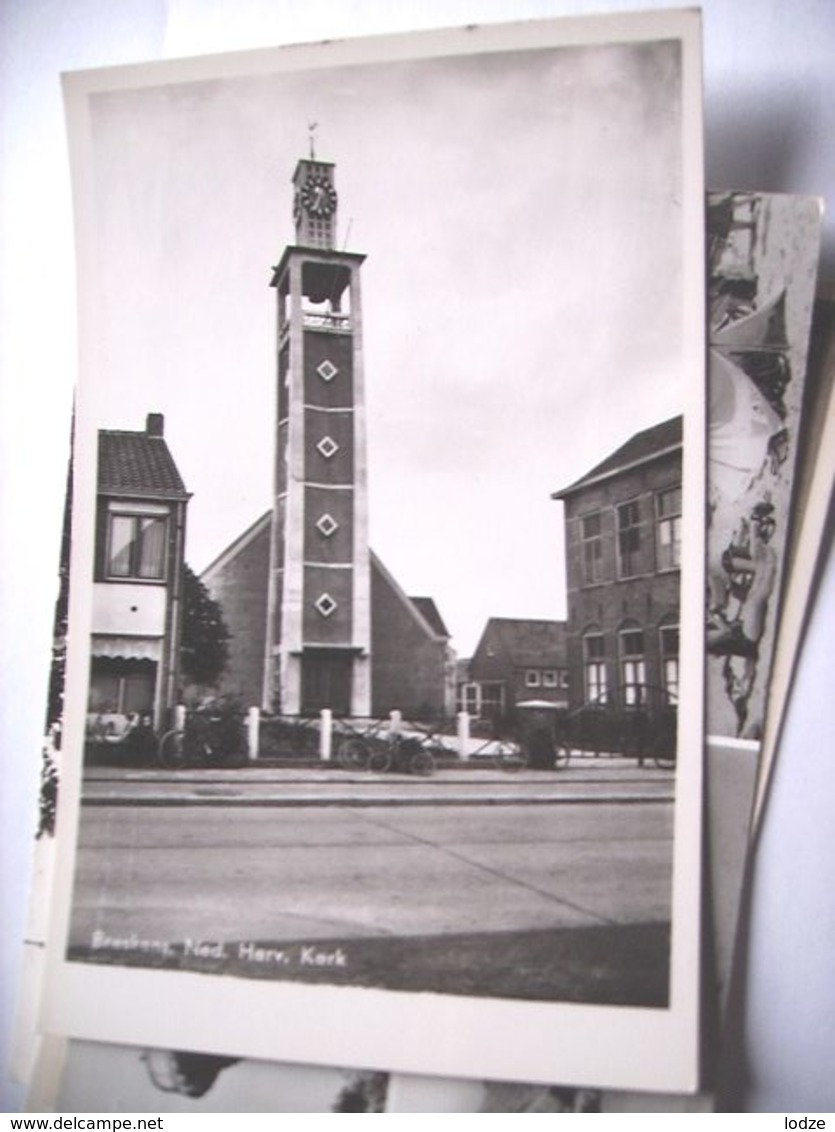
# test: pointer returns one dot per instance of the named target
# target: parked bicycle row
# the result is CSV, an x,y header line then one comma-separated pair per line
x,y
221,734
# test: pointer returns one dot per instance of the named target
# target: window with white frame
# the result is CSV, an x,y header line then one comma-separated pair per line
x,y
492,700
469,699
668,528
629,538
632,667
594,668
136,547
549,678
669,661
532,678
591,537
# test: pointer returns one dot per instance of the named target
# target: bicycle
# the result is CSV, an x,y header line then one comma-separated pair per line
x,y
205,741
403,755
511,756
381,753
353,753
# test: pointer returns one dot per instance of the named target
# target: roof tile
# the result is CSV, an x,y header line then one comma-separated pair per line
x,y
642,446
528,642
134,463
429,611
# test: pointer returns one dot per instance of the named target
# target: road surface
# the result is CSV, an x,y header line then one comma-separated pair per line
x,y
312,872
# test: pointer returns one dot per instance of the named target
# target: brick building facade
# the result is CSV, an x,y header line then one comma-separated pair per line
x,y
623,547
411,662
516,660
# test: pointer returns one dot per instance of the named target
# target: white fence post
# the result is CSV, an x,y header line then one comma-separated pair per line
x,y
464,734
395,722
253,733
326,735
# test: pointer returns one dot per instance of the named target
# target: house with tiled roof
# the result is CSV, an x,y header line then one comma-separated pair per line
x,y
623,557
517,660
141,504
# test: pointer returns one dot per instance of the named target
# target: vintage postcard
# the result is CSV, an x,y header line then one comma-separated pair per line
x,y
94,1077
816,475
435,1094
763,251
383,731
763,254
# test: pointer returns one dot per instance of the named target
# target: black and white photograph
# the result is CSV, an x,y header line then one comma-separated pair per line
x,y
436,1094
763,251
763,256
109,1078
383,709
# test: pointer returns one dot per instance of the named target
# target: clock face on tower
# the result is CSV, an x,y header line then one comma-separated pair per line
x,y
318,197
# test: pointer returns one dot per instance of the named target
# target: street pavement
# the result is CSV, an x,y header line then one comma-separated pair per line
x,y
585,781
526,884
311,853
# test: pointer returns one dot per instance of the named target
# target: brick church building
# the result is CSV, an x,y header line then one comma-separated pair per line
x,y
316,619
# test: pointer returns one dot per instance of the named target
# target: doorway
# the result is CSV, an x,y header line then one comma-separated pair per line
x,y
326,681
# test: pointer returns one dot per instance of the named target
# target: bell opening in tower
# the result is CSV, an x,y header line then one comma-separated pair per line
x,y
326,295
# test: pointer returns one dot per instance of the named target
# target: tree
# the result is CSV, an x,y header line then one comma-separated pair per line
x,y
204,651
58,665
48,799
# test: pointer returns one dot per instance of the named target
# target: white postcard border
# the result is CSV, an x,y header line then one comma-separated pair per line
x,y
431,1034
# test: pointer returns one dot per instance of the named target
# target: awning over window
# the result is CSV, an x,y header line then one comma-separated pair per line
x,y
127,648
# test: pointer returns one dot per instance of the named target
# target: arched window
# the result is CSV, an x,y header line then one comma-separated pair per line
x,y
668,645
633,669
594,667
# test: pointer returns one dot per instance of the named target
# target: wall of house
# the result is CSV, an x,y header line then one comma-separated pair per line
x,y
648,601
240,585
489,662
148,610
553,693
129,609
409,667
496,663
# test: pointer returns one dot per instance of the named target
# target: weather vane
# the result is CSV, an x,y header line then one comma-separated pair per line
x,y
311,127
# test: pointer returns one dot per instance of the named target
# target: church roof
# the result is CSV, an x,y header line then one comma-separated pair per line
x,y
643,446
220,561
138,464
422,609
524,642
429,611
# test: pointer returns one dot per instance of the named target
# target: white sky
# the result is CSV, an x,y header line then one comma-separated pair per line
x,y
522,293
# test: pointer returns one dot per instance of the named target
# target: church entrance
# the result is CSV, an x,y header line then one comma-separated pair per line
x,y
326,681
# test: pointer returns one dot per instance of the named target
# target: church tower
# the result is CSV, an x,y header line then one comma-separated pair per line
x,y
318,639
